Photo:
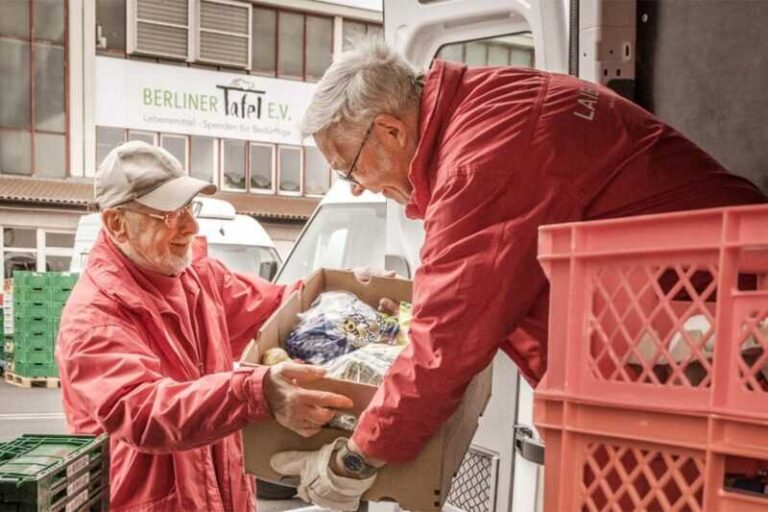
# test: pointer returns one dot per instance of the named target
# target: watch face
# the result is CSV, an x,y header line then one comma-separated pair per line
x,y
353,462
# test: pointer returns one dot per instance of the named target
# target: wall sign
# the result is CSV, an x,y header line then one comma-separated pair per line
x,y
175,99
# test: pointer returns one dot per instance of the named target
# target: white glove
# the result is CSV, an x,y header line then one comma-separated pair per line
x,y
320,485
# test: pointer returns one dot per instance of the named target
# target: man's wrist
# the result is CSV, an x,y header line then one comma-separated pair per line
x,y
350,464
377,463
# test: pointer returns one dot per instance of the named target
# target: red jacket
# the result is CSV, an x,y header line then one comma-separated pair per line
x,y
503,151
158,378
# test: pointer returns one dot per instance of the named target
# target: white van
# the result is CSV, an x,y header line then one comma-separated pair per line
x,y
239,241
347,231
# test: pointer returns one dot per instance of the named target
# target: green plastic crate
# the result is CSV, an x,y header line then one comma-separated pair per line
x,y
34,355
55,309
35,324
48,473
68,499
27,279
23,295
34,339
62,280
60,296
40,309
35,369
34,343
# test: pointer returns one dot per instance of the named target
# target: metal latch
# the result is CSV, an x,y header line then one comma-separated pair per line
x,y
529,448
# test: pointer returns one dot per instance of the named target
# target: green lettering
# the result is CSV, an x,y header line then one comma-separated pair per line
x,y
158,93
194,101
167,99
147,93
213,104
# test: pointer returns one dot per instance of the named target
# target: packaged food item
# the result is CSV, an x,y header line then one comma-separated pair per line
x,y
365,366
274,355
342,421
338,323
368,365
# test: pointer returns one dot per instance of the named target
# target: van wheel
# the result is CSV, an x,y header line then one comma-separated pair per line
x,y
270,491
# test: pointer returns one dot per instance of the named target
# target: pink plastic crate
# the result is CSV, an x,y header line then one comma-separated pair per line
x,y
657,385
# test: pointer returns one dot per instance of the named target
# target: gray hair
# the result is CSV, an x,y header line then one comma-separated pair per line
x,y
369,80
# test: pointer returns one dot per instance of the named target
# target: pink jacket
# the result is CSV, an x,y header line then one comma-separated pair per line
x,y
503,151
166,394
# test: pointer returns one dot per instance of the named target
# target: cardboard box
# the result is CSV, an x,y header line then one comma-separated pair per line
x,y
422,485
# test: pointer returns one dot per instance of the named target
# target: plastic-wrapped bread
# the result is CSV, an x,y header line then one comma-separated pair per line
x,y
338,323
365,366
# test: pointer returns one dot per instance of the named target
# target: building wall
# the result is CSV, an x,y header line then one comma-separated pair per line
x,y
34,107
50,55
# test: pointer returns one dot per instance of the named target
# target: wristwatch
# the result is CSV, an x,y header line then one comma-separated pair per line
x,y
354,463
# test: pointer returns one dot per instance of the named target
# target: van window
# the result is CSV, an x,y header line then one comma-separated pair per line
x,y
262,261
507,50
339,236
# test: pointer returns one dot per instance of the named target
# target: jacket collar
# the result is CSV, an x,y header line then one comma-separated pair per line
x,y
118,277
437,102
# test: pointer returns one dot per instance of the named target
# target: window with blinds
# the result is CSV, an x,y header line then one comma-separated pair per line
x,y
160,27
224,33
210,31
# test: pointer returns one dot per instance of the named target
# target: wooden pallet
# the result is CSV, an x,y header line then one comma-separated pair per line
x,y
32,382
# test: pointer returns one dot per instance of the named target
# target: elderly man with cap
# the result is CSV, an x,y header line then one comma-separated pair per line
x,y
147,344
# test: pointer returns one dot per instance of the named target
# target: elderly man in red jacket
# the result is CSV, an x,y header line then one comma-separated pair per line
x,y
147,344
484,156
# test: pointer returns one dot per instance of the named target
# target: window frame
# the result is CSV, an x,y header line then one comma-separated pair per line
x,y
96,137
221,166
218,161
115,52
131,131
304,14
193,39
214,156
263,72
63,252
289,193
164,135
262,191
198,30
307,15
132,32
328,173
40,251
367,24
31,129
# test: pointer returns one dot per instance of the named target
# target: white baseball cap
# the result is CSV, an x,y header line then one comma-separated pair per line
x,y
137,171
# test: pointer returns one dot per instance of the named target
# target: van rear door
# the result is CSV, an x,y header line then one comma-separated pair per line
x,y
484,33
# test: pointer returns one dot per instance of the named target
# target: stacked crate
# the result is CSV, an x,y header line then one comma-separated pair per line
x,y
54,473
38,299
656,391
2,332
7,321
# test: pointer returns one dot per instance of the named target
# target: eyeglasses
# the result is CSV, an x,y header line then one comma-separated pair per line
x,y
348,175
171,219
